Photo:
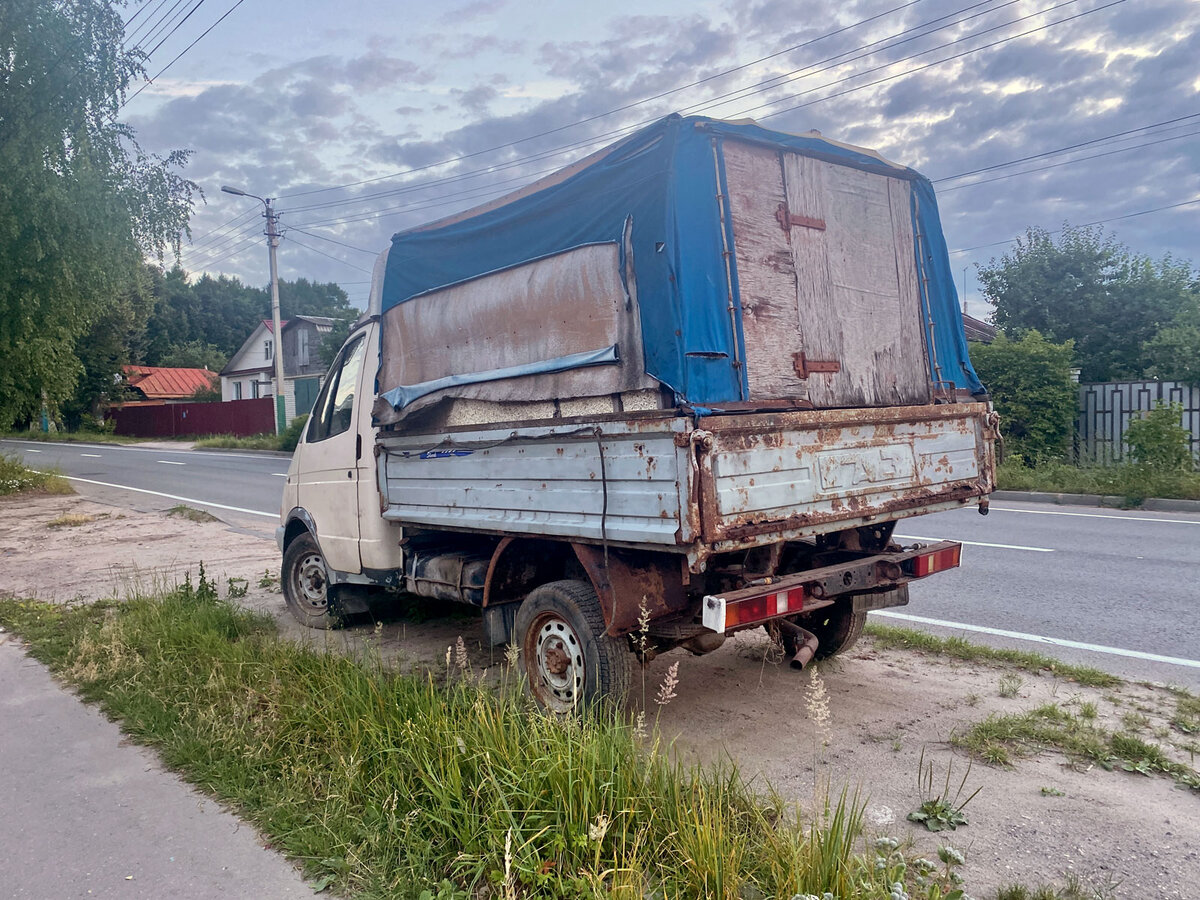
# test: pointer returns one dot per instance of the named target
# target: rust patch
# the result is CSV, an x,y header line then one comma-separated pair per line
x,y
632,580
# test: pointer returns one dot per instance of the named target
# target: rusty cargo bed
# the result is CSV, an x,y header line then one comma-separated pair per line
x,y
691,484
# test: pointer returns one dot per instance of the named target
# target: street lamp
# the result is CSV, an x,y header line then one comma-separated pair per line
x,y
272,233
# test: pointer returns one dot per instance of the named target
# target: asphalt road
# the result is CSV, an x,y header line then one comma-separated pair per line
x,y
1118,590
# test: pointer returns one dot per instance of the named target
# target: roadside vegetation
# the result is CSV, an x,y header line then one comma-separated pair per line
x,y
888,636
286,442
82,436
451,786
16,478
1128,484
1078,734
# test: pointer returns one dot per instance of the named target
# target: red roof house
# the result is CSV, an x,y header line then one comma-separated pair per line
x,y
158,384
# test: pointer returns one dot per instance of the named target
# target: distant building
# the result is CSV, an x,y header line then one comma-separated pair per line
x,y
978,330
250,372
160,385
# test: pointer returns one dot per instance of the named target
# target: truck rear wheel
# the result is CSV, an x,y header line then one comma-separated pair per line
x,y
837,628
306,584
568,659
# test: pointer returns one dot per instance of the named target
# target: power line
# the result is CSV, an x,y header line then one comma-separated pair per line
x,y
610,112
1069,162
1144,212
821,99
1109,137
329,256
929,65
185,50
332,241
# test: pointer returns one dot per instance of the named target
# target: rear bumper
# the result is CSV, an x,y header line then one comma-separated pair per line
x,y
878,576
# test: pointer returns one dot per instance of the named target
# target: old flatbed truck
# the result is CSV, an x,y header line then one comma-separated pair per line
x,y
684,387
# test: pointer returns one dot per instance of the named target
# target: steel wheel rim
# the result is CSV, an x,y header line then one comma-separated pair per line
x,y
556,664
311,584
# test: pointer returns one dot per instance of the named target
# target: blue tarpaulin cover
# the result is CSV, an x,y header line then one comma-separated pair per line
x,y
663,178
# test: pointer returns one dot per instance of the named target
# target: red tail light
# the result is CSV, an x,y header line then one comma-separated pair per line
x,y
938,561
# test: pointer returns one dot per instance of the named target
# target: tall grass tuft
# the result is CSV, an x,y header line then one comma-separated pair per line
x,y
396,785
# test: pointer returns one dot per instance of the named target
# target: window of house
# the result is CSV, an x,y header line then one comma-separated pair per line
x,y
237,390
267,349
301,347
255,390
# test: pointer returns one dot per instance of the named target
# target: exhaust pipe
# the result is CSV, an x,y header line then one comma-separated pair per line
x,y
804,640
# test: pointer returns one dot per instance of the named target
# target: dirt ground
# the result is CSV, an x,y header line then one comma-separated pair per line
x,y
1045,820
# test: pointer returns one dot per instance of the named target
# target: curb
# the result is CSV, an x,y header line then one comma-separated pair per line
x,y
285,454
1152,504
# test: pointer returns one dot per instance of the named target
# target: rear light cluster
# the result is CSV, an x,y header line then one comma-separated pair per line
x,y
938,561
720,614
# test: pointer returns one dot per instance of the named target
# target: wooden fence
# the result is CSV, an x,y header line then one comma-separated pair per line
x,y
237,417
1105,411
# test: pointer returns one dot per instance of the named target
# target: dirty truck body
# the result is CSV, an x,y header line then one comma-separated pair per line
x,y
684,387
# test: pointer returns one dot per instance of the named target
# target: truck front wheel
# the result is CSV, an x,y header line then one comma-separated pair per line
x,y
306,584
568,659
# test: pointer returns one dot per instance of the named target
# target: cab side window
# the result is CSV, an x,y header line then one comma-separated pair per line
x,y
333,412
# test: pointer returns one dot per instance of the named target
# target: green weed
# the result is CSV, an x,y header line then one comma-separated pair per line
x,y
16,478
940,811
888,636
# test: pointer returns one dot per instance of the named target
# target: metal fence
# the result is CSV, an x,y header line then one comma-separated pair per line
x,y
238,417
1105,411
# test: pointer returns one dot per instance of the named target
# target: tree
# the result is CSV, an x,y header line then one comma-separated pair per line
x,y
1174,353
80,202
1087,288
1030,384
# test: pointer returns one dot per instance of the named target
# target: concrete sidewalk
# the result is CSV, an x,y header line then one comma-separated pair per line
x,y
83,813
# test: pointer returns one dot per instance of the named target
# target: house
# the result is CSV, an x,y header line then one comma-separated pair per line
x,y
978,330
160,385
250,372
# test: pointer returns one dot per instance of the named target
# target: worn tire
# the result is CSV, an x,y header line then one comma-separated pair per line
x,y
568,659
306,584
837,628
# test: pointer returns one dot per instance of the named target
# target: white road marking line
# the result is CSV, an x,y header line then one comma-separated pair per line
x,y
91,455
913,537
1118,518
33,451
169,462
280,474
123,487
1042,639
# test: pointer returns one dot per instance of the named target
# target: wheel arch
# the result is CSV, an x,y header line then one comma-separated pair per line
x,y
299,521
626,581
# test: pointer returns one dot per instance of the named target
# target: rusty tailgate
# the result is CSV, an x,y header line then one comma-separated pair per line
x,y
771,472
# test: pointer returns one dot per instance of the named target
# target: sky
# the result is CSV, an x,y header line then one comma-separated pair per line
x,y
365,118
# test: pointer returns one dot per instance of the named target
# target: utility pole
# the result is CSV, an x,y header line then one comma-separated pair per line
x,y
272,244
273,236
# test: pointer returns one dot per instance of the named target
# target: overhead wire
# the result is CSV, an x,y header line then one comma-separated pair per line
x,y
183,51
378,213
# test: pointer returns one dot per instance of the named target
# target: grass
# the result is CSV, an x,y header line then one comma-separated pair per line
x,y
998,739
888,636
70,520
75,437
16,478
183,511
388,785
1131,483
231,442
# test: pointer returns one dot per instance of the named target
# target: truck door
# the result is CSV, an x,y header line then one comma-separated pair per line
x,y
329,471
828,279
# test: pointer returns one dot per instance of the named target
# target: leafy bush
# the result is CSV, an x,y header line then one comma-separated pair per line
x,y
1030,384
291,436
1158,441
